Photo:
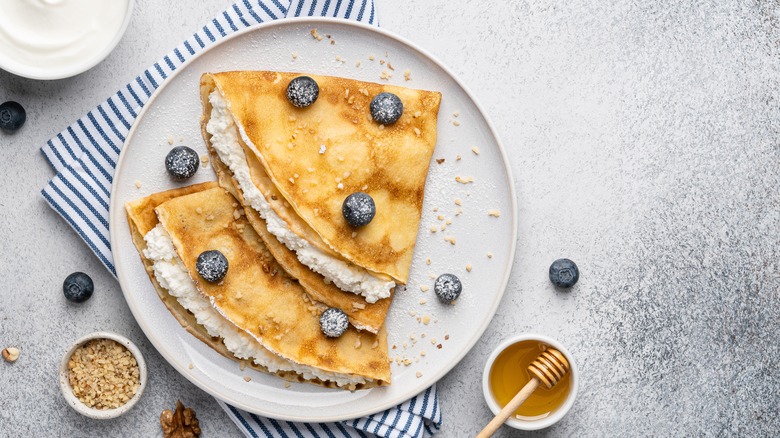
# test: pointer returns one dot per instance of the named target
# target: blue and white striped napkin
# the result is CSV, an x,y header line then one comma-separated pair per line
x,y
84,156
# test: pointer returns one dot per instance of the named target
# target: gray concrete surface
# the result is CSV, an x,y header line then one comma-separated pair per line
x,y
644,141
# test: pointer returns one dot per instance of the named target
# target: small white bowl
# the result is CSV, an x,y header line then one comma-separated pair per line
x,y
66,71
75,403
556,415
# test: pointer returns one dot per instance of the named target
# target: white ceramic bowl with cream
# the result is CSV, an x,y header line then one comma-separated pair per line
x,y
75,403
55,39
555,415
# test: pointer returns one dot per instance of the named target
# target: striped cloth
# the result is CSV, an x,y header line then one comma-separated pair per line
x,y
84,157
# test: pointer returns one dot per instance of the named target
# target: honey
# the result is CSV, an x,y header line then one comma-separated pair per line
x,y
509,374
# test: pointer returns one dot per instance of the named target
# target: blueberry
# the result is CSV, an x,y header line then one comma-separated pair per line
x,y
302,91
212,266
12,116
386,108
333,322
358,209
447,288
78,287
182,162
564,273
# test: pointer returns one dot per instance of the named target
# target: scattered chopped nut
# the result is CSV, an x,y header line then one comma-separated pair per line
x,y
137,184
494,213
287,384
418,374
426,319
292,181
439,160
340,186
458,201
323,149
475,150
103,374
179,424
490,255
407,362
170,139
456,123
440,217
457,157
427,261
425,288
315,35
407,75
468,267
385,75
450,239
242,365
456,114
247,378
417,131
191,366
423,301
466,180
446,337
10,354
433,229
357,63
371,57
294,55
340,59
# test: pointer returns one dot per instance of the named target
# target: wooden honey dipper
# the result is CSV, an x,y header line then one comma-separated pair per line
x,y
548,369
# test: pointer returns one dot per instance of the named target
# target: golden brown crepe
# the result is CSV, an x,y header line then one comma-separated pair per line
x,y
257,296
390,163
363,315
368,350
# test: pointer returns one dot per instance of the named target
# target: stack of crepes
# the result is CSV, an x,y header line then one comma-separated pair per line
x,y
276,214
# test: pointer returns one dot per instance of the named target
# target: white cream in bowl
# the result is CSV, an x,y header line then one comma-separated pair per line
x,y
54,39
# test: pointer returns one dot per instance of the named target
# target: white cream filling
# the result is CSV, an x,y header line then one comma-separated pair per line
x,y
173,276
350,278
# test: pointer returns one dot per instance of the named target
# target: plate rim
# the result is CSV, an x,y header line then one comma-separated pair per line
x,y
121,272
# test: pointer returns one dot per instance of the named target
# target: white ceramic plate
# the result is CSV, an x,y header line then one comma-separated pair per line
x,y
174,112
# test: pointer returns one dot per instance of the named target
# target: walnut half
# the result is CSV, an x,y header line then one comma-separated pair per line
x,y
179,424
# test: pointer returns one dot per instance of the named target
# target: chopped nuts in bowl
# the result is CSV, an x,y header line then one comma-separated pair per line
x,y
102,375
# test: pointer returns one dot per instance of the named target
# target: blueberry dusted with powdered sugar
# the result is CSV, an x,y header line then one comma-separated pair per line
x,y
447,288
386,108
302,91
333,322
358,209
182,162
212,266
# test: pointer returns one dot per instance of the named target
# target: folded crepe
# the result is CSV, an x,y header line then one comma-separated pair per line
x,y
257,312
292,168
